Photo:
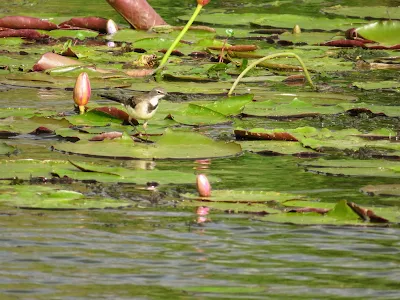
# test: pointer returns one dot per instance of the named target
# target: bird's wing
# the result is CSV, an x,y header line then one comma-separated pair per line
x,y
151,107
132,102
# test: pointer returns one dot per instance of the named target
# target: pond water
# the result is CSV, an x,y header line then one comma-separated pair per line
x,y
157,249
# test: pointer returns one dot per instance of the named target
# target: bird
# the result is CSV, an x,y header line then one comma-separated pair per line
x,y
142,107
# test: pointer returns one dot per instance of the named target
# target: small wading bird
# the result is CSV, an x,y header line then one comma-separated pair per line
x,y
142,107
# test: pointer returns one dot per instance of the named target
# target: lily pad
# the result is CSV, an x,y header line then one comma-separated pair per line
x,y
360,168
341,214
235,196
6,149
199,115
172,145
79,34
376,12
25,169
44,197
277,147
305,22
296,108
386,190
377,85
286,21
384,32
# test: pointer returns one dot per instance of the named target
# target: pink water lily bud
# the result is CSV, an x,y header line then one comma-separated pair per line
x,y
203,2
82,91
203,186
112,27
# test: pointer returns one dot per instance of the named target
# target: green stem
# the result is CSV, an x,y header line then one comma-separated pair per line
x,y
253,64
179,37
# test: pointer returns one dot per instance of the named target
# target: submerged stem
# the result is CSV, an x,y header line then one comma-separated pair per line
x,y
254,63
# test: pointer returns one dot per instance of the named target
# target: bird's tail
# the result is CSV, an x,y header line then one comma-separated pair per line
x,y
113,97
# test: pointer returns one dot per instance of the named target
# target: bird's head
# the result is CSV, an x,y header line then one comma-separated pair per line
x,y
158,93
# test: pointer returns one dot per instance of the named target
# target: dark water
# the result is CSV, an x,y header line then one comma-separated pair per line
x,y
162,252
152,254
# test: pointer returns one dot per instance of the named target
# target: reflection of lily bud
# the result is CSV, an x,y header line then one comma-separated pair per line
x,y
203,186
202,210
203,2
111,27
82,91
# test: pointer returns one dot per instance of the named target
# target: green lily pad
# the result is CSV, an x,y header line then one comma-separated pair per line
x,y
234,201
277,147
212,113
286,21
171,145
311,38
23,112
6,149
377,85
296,108
230,106
44,197
80,34
143,173
384,32
199,115
309,139
341,214
235,196
306,22
232,208
377,12
386,190
360,168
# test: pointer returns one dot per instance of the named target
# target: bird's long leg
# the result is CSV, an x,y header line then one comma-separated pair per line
x,y
144,128
134,126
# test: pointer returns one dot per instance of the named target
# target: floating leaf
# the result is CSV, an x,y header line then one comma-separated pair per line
x,y
25,169
386,190
235,196
378,12
199,115
172,145
384,32
296,108
362,168
6,149
44,197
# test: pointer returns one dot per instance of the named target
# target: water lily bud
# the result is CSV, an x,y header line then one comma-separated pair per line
x,y
203,2
296,29
112,27
203,186
82,91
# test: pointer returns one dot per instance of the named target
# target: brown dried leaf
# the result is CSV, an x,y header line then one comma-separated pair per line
x,y
277,136
94,23
138,13
22,22
366,214
51,60
31,34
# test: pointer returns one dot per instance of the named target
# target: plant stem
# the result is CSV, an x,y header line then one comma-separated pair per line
x,y
179,37
253,64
